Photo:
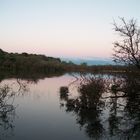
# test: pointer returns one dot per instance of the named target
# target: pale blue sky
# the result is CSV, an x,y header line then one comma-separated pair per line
x,y
79,28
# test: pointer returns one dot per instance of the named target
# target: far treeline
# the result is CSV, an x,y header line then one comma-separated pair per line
x,y
33,63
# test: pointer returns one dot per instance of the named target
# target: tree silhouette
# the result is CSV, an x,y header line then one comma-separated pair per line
x,y
127,50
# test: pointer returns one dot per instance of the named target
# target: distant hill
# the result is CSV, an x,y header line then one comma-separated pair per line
x,y
24,62
16,63
90,61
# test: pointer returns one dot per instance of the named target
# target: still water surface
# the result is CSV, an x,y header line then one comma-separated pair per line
x,y
40,115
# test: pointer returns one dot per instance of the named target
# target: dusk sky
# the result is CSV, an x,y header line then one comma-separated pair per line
x,y
63,28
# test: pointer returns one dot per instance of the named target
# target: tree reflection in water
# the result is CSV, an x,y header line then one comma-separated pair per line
x,y
7,107
108,108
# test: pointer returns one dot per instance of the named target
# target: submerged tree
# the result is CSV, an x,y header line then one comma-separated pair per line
x,y
87,106
127,50
8,94
107,107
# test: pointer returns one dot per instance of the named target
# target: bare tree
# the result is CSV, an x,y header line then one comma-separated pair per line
x,y
127,50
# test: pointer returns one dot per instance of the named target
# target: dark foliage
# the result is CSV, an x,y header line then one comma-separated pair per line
x,y
114,102
27,63
127,50
24,63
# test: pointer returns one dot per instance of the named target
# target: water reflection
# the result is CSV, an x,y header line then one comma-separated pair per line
x,y
107,108
7,107
132,108
6,110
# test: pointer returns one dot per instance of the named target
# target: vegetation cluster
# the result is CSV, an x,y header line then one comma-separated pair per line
x,y
28,63
107,108
24,63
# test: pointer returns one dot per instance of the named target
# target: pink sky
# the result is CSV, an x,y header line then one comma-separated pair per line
x,y
72,28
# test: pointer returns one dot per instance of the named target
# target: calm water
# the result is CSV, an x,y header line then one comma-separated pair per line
x,y
40,114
